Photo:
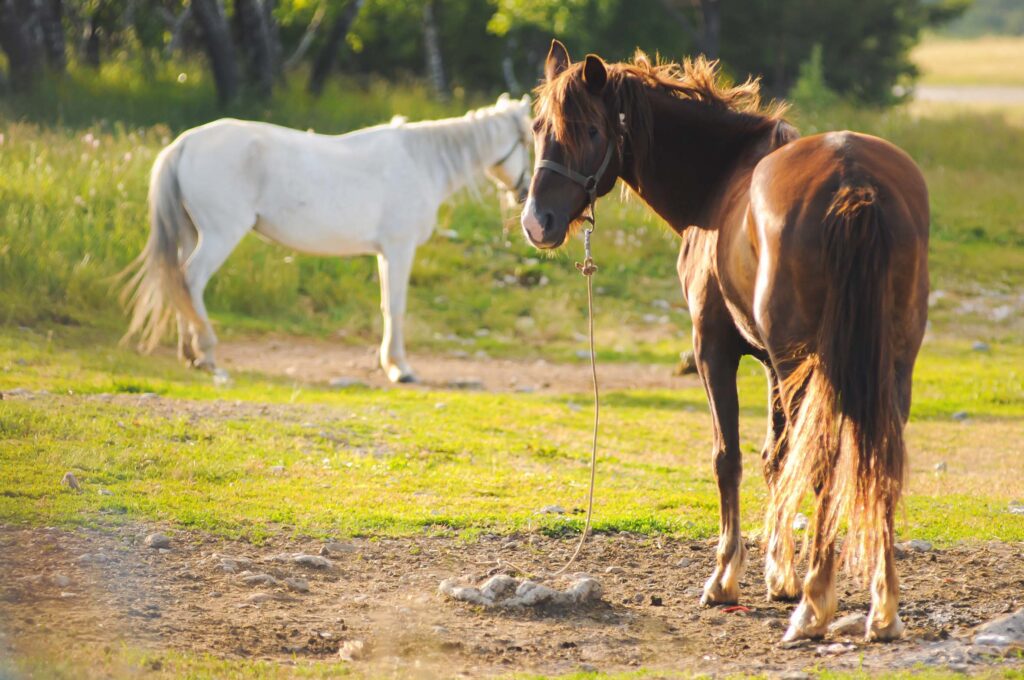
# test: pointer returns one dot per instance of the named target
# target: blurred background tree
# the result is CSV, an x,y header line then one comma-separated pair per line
x,y
251,46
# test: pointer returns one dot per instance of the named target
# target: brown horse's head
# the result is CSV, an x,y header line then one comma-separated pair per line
x,y
577,142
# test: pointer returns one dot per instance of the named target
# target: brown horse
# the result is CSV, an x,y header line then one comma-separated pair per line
x,y
809,254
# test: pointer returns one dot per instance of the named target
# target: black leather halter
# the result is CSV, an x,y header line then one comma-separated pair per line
x,y
589,183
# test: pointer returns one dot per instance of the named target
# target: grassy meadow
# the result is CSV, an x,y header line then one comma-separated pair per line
x,y
263,456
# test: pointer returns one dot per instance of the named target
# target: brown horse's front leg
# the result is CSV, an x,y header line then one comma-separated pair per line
x,y
717,367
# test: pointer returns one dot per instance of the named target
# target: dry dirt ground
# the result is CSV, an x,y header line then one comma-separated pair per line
x,y
319,361
64,590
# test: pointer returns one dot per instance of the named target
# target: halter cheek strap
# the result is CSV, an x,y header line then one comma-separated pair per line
x,y
589,183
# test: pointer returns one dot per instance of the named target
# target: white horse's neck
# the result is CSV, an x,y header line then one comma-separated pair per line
x,y
456,151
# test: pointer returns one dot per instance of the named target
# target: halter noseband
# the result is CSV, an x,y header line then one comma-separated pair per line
x,y
588,182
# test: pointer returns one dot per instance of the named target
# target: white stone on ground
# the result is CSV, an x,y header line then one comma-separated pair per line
x,y
1004,631
507,592
800,522
315,561
851,624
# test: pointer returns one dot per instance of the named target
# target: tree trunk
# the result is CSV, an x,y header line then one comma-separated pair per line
x,y
51,22
22,59
92,37
255,41
273,37
432,46
712,27
307,38
217,39
508,69
327,55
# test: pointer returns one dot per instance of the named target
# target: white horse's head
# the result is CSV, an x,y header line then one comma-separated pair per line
x,y
512,170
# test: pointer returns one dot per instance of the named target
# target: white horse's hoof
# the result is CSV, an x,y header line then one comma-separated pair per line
x,y
398,375
207,365
893,631
803,626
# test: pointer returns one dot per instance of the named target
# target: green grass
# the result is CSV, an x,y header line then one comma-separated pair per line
x,y
372,462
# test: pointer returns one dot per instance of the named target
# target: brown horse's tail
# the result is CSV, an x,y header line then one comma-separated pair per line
x,y
846,428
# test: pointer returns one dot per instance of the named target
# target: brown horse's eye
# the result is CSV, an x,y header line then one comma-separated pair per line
x,y
593,132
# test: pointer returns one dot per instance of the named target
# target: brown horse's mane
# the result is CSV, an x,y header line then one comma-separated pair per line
x,y
565,109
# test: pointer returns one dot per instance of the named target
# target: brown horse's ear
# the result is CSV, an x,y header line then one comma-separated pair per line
x,y
557,61
595,74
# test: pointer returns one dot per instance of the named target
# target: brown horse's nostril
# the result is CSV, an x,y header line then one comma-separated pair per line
x,y
545,221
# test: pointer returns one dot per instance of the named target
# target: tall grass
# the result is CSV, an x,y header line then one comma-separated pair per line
x,y
72,213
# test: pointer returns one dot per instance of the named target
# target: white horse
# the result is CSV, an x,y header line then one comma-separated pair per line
x,y
373,191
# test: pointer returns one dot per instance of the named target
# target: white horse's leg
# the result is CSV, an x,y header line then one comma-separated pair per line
x,y
187,241
213,249
395,266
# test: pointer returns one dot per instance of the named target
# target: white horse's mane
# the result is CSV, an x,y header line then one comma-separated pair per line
x,y
463,145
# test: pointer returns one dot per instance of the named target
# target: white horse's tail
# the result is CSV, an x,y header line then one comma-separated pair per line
x,y
157,286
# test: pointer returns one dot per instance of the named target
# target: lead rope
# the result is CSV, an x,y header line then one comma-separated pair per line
x,y
587,268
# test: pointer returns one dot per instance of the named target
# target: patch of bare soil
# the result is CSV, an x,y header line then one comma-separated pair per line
x,y
318,361
64,590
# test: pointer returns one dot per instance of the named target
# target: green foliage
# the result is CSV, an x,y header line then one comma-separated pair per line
x,y
811,92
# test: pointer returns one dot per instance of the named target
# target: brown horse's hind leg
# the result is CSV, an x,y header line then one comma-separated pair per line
x,y
884,620
779,571
818,606
717,367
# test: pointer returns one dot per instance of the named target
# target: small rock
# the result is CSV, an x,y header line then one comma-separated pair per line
x,y
834,648
851,624
917,545
253,580
960,415
336,548
353,650
685,562
792,675
315,561
157,540
1017,509
940,467
466,384
551,510
276,469
656,601
104,492
259,598
61,581
980,346
299,585
614,570
344,382
800,522
70,481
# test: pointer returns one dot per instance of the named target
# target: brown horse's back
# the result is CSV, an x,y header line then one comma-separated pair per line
x,y
792,192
